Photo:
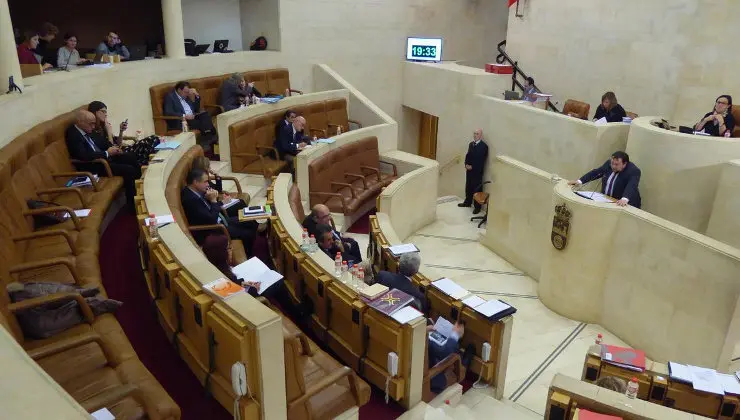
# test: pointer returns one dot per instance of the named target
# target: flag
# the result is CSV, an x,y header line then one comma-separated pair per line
x,y
511,2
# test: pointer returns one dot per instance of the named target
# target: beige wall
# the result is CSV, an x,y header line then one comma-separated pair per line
x,y
519,214
680,172
260,18
661,57
658,286
207,21
724,222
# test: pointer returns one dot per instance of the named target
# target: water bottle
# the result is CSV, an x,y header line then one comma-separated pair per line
x,y
185,128
632,388
599,339
153,232
337,264
344,272
339,130
304,239
312,244
361,277
728,134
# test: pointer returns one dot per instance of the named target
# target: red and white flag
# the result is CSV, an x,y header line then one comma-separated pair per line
x,y
511,2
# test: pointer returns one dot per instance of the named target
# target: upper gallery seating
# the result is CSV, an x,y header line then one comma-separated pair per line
x,y
576,108
93,361
252,139
268,82
348,177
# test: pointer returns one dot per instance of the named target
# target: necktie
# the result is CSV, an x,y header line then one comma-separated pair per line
x,y
91,143
610,183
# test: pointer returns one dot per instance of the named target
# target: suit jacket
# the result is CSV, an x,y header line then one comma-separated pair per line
x,y
626,185
80,149
477,157
615,114
171,107
286,142
400,282
230,95
198,210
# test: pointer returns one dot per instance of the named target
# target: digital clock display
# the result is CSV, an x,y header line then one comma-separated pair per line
x,y
423,51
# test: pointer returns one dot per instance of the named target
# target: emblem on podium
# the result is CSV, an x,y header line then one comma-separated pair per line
x,y
560,227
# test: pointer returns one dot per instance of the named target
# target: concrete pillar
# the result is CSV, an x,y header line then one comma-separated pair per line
x,y
174,37
9,65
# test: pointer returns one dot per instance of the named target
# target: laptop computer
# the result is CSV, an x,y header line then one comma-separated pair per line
x,y
137,52
221,46
201,48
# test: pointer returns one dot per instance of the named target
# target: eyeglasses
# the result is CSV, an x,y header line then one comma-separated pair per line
x,y
722,103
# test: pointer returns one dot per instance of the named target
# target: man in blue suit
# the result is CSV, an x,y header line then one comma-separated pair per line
x,y
408,265
184,102
289,139
620,179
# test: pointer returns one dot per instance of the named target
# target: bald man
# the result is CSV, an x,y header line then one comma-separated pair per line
x,y
320,215
87,147
475,163
289,139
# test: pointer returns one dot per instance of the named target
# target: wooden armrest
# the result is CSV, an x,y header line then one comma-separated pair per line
x,y
46,234
201,228
300,92
446,363
78,173
344,184
393,165
332,378
53,298
110,397
234,180
51,262
54,209
376,171
166,117
274,150
63,345
64,190
243,154
355,122
216,107
326,194
101,161
357,176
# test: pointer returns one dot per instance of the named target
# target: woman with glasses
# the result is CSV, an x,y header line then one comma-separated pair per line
x,y
719,122
68,54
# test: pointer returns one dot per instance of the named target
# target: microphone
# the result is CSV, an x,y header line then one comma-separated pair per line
x,y
12,87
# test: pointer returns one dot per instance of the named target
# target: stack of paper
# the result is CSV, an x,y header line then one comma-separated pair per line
x,y
595,196
255,211
406,315
706,380
229,203
254,270
495,309
450,288
161,220
729,383
679,372
397,250
601,121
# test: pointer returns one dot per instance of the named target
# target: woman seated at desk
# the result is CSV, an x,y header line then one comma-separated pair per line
x,y
610,109
68,54
30,41
719,122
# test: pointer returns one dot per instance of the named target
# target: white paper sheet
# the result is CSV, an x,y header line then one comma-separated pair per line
x,y
679,371
492,307
103,414
255,270
82,212
403,249
406,315
601,121
450,288
169,145
443,326
166,218
729,383
595,196
229,203
705,380
474,301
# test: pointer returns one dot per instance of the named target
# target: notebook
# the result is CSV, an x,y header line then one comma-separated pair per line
x,y
223,288
450,288
168,145
391,301
623,357
398,250
255,270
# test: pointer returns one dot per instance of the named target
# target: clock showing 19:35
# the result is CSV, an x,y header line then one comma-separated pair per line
x,y
423,51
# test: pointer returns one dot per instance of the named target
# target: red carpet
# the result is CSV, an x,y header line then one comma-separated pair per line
x,y
124,281
362,225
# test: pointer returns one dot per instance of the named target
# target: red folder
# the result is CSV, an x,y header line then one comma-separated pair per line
x,y
590,415
624,357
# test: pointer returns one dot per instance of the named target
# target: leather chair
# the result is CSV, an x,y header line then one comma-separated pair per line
x,y
28,70
316,121
576,109
296,204
736,116
252,148
156,96
451,367
278,82
259,78
632,115
209,89
336,114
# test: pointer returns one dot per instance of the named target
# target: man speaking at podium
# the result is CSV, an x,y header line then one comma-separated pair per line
x,y
619,178
475,163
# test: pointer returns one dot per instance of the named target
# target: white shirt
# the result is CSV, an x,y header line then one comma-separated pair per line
x,y
185,105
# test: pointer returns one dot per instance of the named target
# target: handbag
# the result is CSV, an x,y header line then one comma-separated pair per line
x,y
143,148
48,219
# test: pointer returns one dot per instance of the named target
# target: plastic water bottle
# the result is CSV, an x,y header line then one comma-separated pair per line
x,y
632,388
361,277
727,133
339,130
153,228
312,244
599,339
344,272
304,239
338,264
185,128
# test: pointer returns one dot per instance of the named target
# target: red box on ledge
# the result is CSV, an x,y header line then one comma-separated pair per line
x,y
499,68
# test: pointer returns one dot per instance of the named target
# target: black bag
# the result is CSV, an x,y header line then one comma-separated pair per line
x,y
48,219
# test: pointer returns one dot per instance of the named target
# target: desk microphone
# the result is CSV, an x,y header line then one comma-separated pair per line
x,y
12,87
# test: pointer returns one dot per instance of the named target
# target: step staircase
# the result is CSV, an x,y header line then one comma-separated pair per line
x,y
474,404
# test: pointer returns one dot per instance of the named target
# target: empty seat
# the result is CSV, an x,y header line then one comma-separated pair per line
x,y
576,109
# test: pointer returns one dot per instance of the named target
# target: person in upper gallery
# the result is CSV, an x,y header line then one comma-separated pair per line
x,y
529,90
85,146
29,42
47,34
290,139
609,109
216,183
184,102
620,178
236,92
67,55
408,266
475,164
201,206
320,214
720,121
112,45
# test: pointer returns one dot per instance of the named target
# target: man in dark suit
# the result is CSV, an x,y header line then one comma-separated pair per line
x,y
84,146
408,265
287,120
475,163
439,352
290,139
236,92
620,179
201,206
325,240
319,215
184,102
